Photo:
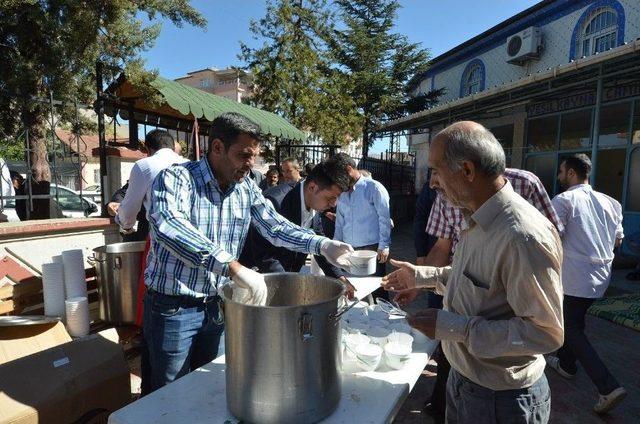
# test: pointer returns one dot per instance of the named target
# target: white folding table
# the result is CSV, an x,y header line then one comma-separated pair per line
x,y
200,396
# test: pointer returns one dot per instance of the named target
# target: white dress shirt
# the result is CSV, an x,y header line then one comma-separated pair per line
x,y
6,187
592,224
306,219
142,175
363,217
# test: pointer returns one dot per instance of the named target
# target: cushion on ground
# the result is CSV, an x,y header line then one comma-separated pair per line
x,y
623,310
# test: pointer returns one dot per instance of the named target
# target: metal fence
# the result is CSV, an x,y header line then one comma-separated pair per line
x,y
66,160
304,153
395,171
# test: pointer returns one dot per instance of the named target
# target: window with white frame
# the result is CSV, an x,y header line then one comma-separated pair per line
x,y
600,32
473,81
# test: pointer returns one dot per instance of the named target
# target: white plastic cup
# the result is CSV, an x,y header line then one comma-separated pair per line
x,y
78,322
74,275
53,290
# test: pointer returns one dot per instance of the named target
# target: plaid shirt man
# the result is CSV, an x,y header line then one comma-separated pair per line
x,y
197,230
446,221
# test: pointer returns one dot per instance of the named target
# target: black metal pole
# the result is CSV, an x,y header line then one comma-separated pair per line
x,y
133,129
102,139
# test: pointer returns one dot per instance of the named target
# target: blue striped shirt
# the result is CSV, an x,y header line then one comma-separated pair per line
x,y
197,230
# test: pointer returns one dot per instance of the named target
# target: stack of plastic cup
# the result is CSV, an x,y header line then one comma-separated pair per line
x,y
53,290
74,276
77,309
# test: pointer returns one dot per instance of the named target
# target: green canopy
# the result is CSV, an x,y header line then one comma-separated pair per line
x,y
183,101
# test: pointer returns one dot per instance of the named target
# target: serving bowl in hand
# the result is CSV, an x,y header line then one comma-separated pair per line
x,y
363,262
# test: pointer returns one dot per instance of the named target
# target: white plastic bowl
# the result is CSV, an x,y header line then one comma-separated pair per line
x,y
352,341
401,338
363,262
368,357
397,354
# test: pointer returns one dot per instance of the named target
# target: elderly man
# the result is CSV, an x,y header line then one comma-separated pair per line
x,y
502,306
290,171
446,223
199,219
592,229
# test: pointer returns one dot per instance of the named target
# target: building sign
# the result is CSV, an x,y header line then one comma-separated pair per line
x,y
558,105
621,92
588,98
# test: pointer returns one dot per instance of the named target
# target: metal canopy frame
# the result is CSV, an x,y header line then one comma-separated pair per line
x,y
111,105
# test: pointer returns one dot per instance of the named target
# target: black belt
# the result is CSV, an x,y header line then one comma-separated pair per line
x,y
184,300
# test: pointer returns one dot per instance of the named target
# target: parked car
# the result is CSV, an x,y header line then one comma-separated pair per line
x,y
92,192
71,203
94,188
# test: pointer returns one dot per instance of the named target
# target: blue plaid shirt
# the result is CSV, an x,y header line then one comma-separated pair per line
x,y
197,230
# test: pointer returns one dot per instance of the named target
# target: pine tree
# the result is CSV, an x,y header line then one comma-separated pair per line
x,y
381,64
51,46
292,72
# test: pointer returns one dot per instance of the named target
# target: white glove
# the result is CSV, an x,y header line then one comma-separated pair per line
x,y
249,287
337,253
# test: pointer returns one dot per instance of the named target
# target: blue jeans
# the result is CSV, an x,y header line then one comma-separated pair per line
x,y
468,402
576,346
182,333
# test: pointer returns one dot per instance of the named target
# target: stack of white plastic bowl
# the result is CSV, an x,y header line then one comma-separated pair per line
x,y
53,290
368,356
77,309
397,354
352,341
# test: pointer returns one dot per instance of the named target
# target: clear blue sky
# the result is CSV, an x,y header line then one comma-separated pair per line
x,y
439,25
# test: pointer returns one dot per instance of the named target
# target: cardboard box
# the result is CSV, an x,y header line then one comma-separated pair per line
x,y
45,377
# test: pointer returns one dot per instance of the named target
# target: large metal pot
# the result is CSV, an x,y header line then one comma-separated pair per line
x,y
283,359
118,267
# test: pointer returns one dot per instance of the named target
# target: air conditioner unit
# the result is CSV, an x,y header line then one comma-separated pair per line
x,y
524,46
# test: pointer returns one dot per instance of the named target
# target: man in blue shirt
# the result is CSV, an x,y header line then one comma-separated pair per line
x,y
199,218
362,218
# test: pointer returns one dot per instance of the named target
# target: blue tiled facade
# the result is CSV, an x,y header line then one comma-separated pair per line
x,y
561,23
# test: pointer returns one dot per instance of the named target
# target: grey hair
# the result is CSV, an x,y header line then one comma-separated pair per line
x,y
292,161
475,144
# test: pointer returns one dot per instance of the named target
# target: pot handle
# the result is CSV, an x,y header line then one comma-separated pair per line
x,y
306,329
336,317
92,259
